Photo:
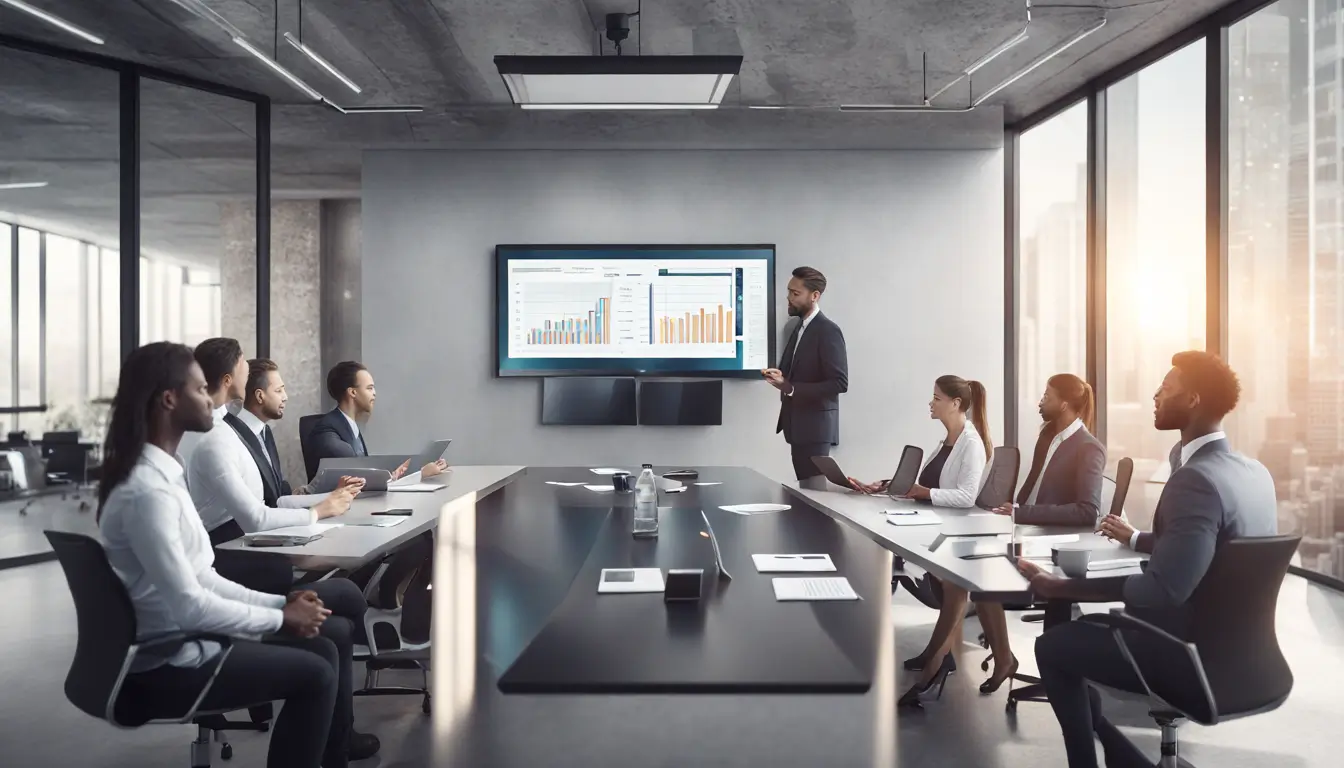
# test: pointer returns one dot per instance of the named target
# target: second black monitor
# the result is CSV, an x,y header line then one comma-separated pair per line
x,y
681,403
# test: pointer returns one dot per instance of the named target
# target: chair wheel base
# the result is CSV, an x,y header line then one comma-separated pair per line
x,y
1011,706
226,751
425,706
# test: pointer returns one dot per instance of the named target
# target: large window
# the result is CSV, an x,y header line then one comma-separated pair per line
x,y
1286,265
1155,255
1052,250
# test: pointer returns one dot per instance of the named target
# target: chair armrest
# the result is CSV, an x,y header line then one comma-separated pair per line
x,y
167,644
1118,619
1201,706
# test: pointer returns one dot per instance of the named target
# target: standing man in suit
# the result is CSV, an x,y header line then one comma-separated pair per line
x,y
1215,495
813,372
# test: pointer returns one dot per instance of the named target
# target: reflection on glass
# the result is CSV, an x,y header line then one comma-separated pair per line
x,y
1155,256
1285,255
30,329
1053,261
454,630
6,326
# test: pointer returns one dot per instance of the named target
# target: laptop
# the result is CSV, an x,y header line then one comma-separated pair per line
x,y
907,471
375,480
437,449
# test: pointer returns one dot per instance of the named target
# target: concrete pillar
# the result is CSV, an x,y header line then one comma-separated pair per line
x,y
341,285
295,308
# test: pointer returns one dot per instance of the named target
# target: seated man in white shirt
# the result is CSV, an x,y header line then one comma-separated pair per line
x,y
221,360
156,544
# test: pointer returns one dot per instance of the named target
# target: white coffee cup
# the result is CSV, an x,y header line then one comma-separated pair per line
x,y
1073,561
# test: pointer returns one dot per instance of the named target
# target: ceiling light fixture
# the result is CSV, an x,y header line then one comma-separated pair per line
x,y
22,184
54,20
1047,56
981,62
902,108
374,109
278,69
618,82
321,62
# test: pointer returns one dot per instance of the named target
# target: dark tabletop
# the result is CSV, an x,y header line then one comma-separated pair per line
x,y
517,613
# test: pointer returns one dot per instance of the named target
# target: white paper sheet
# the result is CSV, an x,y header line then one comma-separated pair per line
x,y
605,470
713,483
754,509
793,563
814,588
600,488
904,517
567,485
415,488
381,522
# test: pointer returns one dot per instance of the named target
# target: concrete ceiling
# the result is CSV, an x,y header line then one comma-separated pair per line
x,y
58,121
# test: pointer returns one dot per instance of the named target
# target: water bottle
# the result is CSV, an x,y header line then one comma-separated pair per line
x,y
646,504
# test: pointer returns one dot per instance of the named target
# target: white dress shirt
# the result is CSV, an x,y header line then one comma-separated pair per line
x,y
1187,451
226,485
159,549
1065,434
191,440
797,340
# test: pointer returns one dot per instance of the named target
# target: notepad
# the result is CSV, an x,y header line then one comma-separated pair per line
x,y
316,529
792,563
382,522
815,588
920,517
567,485
605,470
600,488
415,488
754,509
630,580
1114,564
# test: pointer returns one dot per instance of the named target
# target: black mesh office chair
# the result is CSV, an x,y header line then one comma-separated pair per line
x,y
1033,690
107,646
1231,665
996,491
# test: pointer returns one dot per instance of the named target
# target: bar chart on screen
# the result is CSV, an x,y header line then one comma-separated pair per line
x,y
568,314
693,308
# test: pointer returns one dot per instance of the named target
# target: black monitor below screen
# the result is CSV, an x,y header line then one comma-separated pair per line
x,y
585,401
681,403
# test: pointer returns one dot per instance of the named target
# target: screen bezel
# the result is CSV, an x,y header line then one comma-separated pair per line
x,y
501,304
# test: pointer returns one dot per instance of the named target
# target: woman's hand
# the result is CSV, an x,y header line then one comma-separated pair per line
x,y
919,492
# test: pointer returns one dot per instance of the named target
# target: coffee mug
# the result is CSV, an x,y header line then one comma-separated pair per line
x,y
1073,562
620,481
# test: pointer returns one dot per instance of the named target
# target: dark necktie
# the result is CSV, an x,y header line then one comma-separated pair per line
x,y
360,448
268,440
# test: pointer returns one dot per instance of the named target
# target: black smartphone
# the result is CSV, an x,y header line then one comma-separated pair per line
x,y
402,512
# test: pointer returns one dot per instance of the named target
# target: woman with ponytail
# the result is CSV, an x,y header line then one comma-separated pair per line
x,y
951,478
1063,488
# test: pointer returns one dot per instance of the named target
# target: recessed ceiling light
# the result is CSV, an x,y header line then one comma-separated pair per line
x,y
618,82
54,20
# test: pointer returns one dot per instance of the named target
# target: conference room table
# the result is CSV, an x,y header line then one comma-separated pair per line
x,y
522,641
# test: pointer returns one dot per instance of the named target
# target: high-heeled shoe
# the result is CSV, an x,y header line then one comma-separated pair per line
x,y
913,697
992,684
917,663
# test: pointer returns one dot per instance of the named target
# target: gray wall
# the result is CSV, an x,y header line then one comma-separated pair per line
x,y
911,243
340,255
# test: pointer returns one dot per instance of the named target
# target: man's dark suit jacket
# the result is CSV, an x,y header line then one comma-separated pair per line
x,y
1070,486
330,438
273,484
1217,495
819,373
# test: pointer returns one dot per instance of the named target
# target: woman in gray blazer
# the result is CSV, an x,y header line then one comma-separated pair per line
x,y
1062,488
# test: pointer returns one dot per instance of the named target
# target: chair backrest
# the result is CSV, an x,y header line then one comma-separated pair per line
x,y
306,424
106,621
1124,475
66,458
1231,623
1000,478
61,437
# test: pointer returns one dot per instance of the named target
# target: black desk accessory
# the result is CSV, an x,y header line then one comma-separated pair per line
x,y
621,482
682,474
718,557
682,584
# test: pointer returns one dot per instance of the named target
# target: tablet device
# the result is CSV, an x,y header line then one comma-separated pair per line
x,y
375,480
390,462
437,449
831,470
907,471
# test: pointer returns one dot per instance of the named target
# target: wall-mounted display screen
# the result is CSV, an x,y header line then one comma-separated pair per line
x,y
692,310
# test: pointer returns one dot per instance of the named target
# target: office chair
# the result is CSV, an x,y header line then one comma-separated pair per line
x,y
996,490
67,465
1033,690
107,646
388,648
306,424
64,437
1231,666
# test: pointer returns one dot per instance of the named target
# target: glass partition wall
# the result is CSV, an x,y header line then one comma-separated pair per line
x,y
1215,180
129,213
